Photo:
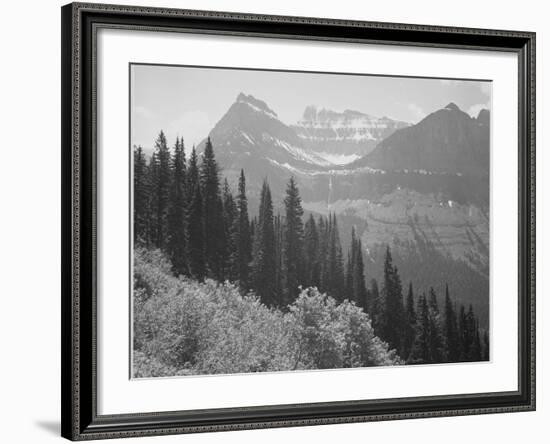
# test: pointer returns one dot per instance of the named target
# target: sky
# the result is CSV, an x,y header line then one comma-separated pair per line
x,y
188,101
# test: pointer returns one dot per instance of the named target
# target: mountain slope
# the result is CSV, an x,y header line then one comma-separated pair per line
x,y
424,190
250,127
446,141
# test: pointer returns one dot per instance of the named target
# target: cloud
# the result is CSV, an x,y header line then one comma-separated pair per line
x,y
142,112
193,126
485,88
417,113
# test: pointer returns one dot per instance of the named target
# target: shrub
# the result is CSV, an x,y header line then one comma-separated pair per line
x,y
184,327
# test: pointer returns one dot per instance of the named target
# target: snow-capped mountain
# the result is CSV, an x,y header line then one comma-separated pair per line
x,y
250,127
424,189
251,136
343,137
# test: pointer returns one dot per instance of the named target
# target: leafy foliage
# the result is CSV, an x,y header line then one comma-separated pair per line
x,y
182,326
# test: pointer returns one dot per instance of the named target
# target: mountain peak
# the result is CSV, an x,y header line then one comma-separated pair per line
x,y
256,104
484,116
445,141
452,106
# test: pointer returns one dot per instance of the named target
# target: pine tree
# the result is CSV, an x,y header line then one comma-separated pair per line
x,y
263,265
311,252
230,225
359,290
421,348
141,198
177,213
375,307
486,355
410,324
463,339
214,241
451,330
192,174
243,241
393,304
335,279
436,337
476,350
293,242
323,254
469,334
279,230
160,195
195,225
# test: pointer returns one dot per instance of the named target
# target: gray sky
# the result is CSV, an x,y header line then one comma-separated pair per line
x,y
186,101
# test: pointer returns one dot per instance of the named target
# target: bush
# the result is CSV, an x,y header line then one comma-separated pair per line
x,y
184,327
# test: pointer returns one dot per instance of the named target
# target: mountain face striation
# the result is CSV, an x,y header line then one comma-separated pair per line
x,y
423,189
343,137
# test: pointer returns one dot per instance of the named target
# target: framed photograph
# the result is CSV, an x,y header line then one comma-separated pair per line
x,y
280,221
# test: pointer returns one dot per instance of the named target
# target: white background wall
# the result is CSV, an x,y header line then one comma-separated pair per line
x,y
30,221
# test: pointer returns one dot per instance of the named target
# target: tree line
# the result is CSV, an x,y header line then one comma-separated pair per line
x,y
182,208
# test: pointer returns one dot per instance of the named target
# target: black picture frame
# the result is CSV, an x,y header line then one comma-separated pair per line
x,y
80,420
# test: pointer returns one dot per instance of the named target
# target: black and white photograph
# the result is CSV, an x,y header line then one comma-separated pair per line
x,y
293,221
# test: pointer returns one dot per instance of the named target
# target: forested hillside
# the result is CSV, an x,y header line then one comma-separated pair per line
x,y
210,281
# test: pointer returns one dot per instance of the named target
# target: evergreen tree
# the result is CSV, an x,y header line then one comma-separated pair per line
x,y
375,307
263,265
463,342
410,324
279,229
214,241
475,354
141,197
421,348
335,279
359,290
436,337
243,241
350,268
160,195
195,225
451,330
393,304
192,174
470,334
293,242
323,254
486,351
230,225
311,250
177,217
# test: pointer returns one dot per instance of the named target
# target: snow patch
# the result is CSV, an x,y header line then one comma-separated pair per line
x,y
339,159
268,113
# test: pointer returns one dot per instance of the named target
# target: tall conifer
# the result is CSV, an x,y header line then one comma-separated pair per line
x,y
451,330
311,251
214,241
264,263
177,212
421,348
230,225
393,304
410,324
141,197
161,176
195,225
243,241
293,252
